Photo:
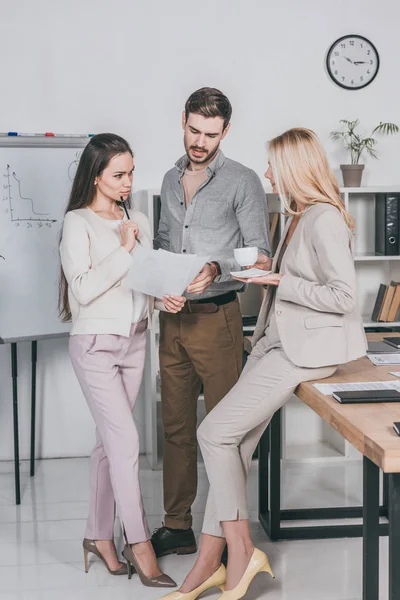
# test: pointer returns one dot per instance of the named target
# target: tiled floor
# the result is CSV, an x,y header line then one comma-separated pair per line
x,y
40,541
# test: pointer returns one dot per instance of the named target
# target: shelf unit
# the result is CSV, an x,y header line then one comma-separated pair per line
x,y
306,438
371,269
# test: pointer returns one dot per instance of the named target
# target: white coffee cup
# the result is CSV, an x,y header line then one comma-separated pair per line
x,y
246,257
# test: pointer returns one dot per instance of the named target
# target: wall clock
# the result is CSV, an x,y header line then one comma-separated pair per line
x,y
352,62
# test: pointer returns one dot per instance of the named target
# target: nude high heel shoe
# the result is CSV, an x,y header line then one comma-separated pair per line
x,y
216,580
258,563
90,546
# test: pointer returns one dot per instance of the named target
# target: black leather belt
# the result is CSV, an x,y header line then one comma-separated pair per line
x,y
208,305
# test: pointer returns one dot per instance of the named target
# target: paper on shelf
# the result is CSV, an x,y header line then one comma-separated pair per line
x,y
328,388
384,359
395,373
159,273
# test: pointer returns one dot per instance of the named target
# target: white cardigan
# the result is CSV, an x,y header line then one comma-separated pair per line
x,y
95,265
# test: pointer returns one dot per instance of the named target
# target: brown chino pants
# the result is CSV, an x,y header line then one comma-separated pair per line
x,y
195,348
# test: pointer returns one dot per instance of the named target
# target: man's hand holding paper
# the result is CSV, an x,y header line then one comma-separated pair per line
x,y
202,281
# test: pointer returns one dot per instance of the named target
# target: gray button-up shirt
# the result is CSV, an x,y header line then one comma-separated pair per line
x,y
229,210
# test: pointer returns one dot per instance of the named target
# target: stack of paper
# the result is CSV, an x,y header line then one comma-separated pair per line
x,y
384,359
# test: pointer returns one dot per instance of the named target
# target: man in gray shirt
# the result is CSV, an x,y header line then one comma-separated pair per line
x,y
210,205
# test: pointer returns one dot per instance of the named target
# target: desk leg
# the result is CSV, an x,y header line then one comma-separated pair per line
x,y
385,499
394,536
33,405
14,375
275,479
370,530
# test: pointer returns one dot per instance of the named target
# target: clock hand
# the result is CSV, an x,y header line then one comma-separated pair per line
x,y
348,59
360,62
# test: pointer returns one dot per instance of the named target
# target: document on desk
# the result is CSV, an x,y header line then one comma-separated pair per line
x,y
159,273
328,388
384,359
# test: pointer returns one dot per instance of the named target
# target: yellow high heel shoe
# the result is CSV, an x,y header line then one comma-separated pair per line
x,y
216,580
258,563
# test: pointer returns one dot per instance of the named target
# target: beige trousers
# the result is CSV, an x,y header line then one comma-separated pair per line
x,y
229,434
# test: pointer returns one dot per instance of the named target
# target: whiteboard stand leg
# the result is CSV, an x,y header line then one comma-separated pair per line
x,y
14,374
33,405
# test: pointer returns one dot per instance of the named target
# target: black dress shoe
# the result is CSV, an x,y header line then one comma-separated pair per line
x,y
224,557
173,541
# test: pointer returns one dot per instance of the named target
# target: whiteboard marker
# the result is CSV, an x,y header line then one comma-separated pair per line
x,y
74,135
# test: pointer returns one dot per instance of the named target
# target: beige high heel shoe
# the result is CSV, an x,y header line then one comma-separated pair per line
x,y
162,580
90,546
258,563
216,580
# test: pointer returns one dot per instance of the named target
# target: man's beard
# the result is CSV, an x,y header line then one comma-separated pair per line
x,y
208,156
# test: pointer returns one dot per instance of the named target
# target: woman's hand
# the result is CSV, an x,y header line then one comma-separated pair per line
x,y
174,304
129,232
263,262
271,279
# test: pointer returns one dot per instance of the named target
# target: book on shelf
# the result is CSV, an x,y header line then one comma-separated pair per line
x,y
378,302
387,303
395,306
387,224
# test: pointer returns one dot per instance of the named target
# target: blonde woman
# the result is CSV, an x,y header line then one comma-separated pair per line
x,y
308,324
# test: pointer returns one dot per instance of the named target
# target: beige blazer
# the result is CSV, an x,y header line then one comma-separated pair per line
x,y
316,310
95,266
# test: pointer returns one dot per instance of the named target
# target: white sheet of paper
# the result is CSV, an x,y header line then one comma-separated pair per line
x,y
159,273
246,273
328,388
384,359
395,373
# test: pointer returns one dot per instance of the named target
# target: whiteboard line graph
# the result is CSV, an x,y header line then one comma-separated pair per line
x,y
74,165
14,197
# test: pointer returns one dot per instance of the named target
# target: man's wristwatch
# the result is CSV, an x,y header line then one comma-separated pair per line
x,y
216,268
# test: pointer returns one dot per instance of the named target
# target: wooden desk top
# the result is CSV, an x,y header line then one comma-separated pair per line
x,y
368,427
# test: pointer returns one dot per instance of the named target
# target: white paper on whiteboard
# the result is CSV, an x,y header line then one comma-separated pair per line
x,y
159,273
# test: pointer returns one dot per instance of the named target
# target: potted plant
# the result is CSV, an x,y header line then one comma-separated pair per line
x,y
356,143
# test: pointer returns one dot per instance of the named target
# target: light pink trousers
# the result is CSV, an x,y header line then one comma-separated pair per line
x,y
109,369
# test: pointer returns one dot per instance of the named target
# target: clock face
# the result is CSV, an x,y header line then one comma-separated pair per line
x,y
352,62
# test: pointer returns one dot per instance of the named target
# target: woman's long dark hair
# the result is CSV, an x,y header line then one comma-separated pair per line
x,y
94,159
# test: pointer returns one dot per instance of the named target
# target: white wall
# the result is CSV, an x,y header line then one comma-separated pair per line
x,y
126,66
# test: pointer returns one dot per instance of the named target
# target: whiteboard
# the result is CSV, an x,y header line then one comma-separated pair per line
x,y
35,185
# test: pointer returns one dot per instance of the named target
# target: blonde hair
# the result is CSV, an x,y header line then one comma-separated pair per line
x,y
302,172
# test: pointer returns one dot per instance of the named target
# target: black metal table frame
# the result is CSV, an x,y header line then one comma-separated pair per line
x,y
271,515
